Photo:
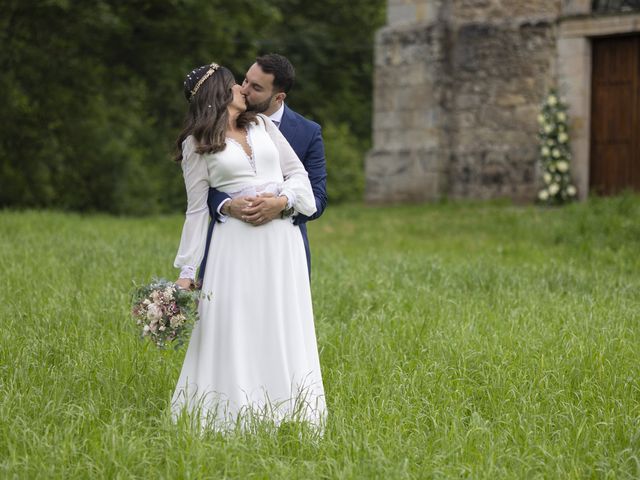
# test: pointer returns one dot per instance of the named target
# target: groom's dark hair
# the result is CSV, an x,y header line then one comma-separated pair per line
x,y
280,67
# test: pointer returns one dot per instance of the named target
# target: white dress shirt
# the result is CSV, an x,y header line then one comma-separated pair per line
x,y
276,117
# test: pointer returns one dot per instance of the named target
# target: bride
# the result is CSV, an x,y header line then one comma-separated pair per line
x,y
253,354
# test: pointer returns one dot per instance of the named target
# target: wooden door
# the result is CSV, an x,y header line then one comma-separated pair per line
x,y
615,115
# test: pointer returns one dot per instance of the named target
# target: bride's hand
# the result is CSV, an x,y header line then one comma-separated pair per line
x,y
184,283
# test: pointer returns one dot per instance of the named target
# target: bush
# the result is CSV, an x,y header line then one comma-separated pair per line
x,y
345,163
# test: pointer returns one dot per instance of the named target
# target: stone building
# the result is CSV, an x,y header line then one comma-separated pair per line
x,y
459,83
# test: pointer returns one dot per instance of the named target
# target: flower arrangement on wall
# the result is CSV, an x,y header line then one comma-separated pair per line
x,y
555,152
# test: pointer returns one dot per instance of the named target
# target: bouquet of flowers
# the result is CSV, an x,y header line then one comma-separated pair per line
x,y
164,312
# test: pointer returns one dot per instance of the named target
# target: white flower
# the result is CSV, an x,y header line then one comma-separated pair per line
x,y
563,137
561,116
562,166
555,153
553,189
548,128
540,119
545,151
154,312
543,195
167,297
146,329
162,328
552,100
571,190
146,301
177,320
550,142
547,178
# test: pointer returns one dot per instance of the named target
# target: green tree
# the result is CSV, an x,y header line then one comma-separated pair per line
x,y
92,90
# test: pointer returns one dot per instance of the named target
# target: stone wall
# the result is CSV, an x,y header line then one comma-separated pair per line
x,y
500,74
413,11
408,160
456,98
502,11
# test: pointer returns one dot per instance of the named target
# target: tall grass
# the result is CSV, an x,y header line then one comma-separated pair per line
x,y
477,340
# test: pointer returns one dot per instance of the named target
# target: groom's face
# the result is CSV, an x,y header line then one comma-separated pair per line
x,y
257,87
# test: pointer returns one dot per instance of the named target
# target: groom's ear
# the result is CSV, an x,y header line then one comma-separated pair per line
x,y
281,96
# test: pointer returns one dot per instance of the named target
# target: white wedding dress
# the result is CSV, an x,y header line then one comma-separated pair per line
x,y
253,353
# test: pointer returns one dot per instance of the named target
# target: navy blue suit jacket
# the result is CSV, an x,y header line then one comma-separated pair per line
x,y
305,137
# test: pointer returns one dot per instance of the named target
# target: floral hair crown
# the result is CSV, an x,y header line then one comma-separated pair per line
x,y
212,68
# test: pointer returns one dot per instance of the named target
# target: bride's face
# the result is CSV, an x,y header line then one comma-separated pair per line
x,y
239,103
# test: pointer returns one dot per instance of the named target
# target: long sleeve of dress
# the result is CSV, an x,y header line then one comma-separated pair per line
x,y
296,184
194,231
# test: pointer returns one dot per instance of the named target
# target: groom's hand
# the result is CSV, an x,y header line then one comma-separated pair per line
x,y
235,207
264,208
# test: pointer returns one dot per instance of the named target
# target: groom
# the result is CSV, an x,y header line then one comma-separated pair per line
x,y
265,87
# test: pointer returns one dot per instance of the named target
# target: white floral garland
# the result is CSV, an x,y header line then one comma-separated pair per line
x,y
555,153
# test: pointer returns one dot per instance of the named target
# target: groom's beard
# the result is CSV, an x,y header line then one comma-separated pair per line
x,y
259,107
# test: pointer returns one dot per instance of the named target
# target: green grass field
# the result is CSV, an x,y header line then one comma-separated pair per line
x,y
478,340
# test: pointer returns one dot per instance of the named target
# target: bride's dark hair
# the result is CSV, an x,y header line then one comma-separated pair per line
x,y
207,116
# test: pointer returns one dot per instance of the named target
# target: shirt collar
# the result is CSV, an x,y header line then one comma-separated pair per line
x,y
277,115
